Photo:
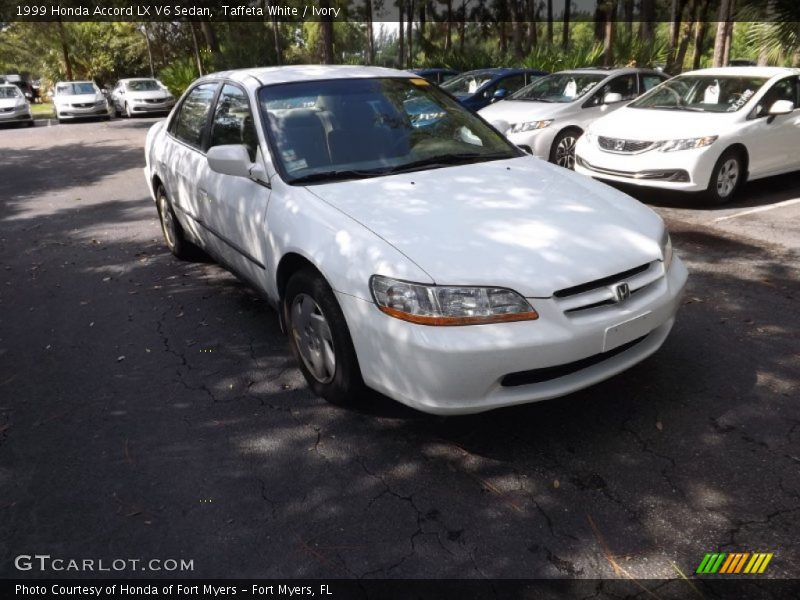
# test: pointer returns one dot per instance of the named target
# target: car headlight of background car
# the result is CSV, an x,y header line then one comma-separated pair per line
x,y
448,305
666,249
687,144
529,126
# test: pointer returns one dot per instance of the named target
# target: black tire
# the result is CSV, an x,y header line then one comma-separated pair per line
x,y
562,152
31,123
318,334
128,112
726,177
171,229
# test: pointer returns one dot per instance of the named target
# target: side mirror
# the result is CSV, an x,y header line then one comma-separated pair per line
x,y
612,98
781,107
499,94
229,159
501,126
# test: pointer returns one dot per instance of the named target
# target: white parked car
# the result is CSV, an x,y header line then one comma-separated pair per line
x,y
141,96
437,264
707,130
548,116
14,108
79,100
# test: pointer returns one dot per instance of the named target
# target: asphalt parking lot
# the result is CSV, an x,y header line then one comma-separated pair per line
x,y
149,408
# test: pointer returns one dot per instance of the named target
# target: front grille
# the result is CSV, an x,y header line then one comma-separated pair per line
x,y
5,110
155,101
621,146
83,105
550,373
598,283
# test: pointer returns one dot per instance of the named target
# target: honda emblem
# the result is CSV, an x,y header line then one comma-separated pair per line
x,y
622,292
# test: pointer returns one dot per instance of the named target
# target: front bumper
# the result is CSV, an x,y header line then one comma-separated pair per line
x,y
540,141
461,370
15,115
69,112
684,170
146,108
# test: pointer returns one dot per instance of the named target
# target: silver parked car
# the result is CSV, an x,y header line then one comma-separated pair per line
x,y
548,116
79,100
14,108
141,96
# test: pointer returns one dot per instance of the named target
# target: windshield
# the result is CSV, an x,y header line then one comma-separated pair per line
x,y
559,87
9,91
358,128
73,89
468,83
143,85
702,93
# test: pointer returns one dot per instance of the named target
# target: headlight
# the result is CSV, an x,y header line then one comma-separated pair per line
x,y
447,305
687,144
666,249
529,126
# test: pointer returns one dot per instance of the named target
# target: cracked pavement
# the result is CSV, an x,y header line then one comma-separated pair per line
x,y
150,408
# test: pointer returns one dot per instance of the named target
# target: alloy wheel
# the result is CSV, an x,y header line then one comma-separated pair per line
x,y
167,221
728,177
565,152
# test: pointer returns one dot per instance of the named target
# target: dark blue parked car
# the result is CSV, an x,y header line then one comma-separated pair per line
x,y
479,88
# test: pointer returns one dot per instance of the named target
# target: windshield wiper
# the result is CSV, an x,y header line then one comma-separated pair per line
x,y
337,175
445,160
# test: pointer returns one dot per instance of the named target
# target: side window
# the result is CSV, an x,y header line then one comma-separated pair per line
x,y
785,89
190,122
625,85
233,121
649,81
512,84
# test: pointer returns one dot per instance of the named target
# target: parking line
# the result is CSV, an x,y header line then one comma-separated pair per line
x,y
759,209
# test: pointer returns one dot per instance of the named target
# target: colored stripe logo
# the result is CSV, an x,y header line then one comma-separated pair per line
x,y
734,563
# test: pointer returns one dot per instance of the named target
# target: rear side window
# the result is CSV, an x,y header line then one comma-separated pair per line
x,y
191,120
233,121
649,81
625,85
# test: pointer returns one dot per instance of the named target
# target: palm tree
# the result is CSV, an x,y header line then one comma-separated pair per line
x,y
776,31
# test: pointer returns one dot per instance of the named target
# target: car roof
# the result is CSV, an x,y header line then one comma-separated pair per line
x,y
75,81
138,79
768,72
609,71
287,74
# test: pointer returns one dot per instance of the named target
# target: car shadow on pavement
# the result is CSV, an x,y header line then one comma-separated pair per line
x,y
151,408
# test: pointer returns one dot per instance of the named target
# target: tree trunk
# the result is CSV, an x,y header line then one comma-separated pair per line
x,y
533,18
410,34
686,35
516,25
676,16
149,50
370,34
565,34
401,58
722,33
448,32
628,9
647,17
610,34
326,29
196,50
550,22
600,20
700,34
62,34
463,34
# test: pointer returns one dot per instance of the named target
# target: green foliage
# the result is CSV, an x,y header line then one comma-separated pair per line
x,y
180,73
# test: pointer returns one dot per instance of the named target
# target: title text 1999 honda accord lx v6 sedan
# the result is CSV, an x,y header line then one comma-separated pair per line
x,y
439,265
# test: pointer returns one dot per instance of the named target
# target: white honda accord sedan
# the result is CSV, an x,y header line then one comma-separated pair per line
x,y
437,264
708,130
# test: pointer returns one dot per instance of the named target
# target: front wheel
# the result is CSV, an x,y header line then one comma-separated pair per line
x,y
562,152
726,177
320,340
128,111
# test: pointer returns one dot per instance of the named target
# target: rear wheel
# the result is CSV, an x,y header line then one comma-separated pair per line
x,y
562,152
320,340
172,230
726,178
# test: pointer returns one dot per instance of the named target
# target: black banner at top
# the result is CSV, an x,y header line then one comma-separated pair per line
x,y
380,10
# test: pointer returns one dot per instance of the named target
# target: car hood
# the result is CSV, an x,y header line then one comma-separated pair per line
x,y
76,99
149,95
522,111
654,125
519,223
8,102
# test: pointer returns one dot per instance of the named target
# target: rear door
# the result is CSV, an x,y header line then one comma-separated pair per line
x,y
184,156
234,209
